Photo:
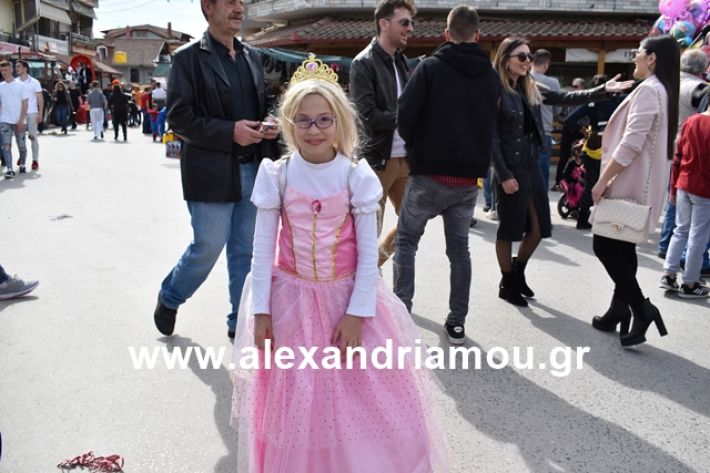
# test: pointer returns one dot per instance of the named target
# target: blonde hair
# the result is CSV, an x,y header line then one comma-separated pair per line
x,y
346,141
500,64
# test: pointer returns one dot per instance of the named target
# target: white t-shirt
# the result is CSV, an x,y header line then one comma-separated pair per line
x,y
398,150
33,88
159,94
11,96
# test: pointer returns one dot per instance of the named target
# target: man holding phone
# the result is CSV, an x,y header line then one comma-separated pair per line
x,y
217,104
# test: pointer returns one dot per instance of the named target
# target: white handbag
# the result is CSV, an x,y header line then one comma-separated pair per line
x,y
625,220
622,220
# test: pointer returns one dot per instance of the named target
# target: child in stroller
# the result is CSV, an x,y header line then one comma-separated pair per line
x,y
572,184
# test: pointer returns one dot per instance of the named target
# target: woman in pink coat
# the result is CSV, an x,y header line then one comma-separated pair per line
x,y
638,143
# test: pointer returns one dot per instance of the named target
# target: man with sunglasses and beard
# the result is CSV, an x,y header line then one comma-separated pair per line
x,y
217,104
377,77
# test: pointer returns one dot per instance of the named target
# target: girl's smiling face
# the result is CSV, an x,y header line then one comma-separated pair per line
x,y
315,129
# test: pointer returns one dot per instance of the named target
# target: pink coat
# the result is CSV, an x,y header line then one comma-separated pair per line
x,y
629,140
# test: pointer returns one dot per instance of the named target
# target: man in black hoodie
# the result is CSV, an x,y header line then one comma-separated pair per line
x,y
446,116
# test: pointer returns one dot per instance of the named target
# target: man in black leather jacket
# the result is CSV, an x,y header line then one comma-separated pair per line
x,y
374,89
216,104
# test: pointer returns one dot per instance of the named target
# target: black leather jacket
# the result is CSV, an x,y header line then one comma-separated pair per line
x,y
373,89
509,138
199,110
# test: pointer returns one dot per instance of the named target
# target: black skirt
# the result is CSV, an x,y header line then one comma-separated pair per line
x,y
512,209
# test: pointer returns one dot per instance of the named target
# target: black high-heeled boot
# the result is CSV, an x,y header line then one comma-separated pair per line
x,y
519,271
644,315
618,313
508,290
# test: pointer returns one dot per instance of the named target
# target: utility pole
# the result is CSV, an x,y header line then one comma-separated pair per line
x,y
71,27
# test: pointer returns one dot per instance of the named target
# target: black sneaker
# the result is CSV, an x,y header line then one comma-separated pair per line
x,y
669,283
23,170
230,334
9,174
456,333
473,223
486,208
164,318
695,292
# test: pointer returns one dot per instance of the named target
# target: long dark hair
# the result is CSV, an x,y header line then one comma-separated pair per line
x,y
668,72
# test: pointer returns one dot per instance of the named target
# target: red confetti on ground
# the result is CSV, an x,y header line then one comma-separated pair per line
x,y
109,464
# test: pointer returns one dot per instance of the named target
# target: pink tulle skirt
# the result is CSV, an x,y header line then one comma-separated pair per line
x,y
333,420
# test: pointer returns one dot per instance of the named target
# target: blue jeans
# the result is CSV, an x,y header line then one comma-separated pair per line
x,y
543,156
62,116
3,275
215,224
489,189
667,232
692,228
423,200
7,131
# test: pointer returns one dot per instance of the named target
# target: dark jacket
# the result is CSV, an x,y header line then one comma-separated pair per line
x,y
118,103
509,138
199,111
447,112
373,89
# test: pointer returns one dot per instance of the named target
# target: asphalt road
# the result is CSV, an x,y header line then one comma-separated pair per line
x,y
100,224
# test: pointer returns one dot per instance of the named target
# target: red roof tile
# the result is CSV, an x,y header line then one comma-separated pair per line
x,y
331,30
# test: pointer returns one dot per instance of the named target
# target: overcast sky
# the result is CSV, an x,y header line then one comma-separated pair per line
x,y
185,15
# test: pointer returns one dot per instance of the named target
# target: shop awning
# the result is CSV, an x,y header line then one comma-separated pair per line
x,y
53,13
297,57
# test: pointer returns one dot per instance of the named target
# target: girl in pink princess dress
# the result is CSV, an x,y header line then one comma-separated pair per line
x,y
314,284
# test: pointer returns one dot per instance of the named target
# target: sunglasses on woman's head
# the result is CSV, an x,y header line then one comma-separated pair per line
x,y
523,56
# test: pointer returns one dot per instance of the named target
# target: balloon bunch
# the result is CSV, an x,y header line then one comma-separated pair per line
x,y
682,19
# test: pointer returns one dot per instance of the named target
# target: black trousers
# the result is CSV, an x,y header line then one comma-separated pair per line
x,y
591,176
620,261
116,122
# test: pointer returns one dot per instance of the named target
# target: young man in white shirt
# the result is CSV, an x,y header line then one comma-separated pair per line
x,y
13,110
35,112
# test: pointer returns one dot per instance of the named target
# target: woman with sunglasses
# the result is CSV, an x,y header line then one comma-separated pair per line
x,y
638,146
523,205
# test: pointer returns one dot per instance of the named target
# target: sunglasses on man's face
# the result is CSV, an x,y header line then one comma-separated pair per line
x,y
405,22
523,56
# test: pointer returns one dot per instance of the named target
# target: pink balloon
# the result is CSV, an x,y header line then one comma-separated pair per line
x,y
673,8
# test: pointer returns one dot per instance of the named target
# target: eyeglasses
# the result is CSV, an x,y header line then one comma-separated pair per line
x,y
405,22
323,122
523,56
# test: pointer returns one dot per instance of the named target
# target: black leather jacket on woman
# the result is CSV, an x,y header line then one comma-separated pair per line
x,y
509,140
373,89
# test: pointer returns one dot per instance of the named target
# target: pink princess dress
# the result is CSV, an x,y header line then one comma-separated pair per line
x,y
327,420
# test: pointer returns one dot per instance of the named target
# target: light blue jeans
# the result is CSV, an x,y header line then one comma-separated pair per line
x,y
7,131
692,220
214,225
543,156
423,200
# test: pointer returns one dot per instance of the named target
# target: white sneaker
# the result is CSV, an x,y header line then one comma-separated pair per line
x,y
16,287
492,214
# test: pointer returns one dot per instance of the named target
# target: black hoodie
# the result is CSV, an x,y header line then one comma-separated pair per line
x,y
448,111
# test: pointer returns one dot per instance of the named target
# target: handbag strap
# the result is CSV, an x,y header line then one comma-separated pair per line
x,y
654,136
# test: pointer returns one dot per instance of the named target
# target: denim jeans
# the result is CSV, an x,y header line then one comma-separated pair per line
x,y
215,224
692,227
667,233
423,200
62,116
489,189
3,275
543,156
7,131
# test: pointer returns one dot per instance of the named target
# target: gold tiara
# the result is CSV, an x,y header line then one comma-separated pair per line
x,y
313,68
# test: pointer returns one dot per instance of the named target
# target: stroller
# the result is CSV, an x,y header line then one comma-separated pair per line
x,y
572,185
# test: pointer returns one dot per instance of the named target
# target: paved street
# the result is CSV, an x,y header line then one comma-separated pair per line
x,y
100,225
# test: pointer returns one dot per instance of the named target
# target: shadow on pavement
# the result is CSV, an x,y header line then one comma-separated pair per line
x,y
550,434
